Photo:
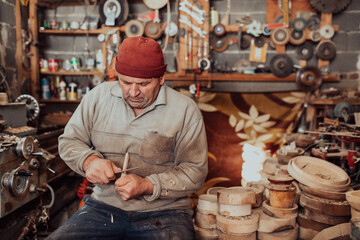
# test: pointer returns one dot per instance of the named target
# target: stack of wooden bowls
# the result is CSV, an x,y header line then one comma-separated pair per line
x,y
322,200
205,218
227,213
235,219
278,217
353,197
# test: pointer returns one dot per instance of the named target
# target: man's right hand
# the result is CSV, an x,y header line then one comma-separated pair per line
x,y
99,170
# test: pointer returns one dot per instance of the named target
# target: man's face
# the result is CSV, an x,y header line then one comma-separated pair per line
x,y
140,92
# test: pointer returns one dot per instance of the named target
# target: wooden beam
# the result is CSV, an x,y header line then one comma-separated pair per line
x,y
18,47
239,77
34,49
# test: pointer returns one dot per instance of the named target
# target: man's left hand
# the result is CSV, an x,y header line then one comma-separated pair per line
x,y
131,186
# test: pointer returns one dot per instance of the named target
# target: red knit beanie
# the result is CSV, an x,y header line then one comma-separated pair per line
x,y
140,57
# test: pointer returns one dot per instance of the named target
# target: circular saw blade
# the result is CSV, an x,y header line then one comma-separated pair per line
x,y
281,65
32,106
308,78
305,51
329,6
326,50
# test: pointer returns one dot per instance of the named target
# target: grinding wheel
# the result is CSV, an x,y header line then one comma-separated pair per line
x,y
219,44
325,50
219,30
280,36
297,37
315,35
245,41
281,65
308,78
327,31
134,28
305,51
299,24
259,41
313,23
343,109
153,30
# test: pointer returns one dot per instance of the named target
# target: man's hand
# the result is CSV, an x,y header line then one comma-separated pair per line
x,y
100,171
131,186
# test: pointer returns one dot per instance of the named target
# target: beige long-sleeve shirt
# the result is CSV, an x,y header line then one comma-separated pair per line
x,y
167,141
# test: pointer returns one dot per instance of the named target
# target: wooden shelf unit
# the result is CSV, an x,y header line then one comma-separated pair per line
x,y
72,73
54,100
102,30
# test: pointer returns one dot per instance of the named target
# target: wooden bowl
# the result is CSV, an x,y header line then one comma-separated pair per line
x,y
285,156
301,140
353,197
319,174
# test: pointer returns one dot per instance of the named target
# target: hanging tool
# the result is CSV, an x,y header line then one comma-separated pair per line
x,y
186,44
113,12
199,48
205,48
185,20
196,82
190,49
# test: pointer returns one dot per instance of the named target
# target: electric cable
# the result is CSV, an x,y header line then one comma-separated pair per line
x,y
168,24
52,196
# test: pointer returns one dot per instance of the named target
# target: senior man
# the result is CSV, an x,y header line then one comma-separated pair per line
x,y
160,131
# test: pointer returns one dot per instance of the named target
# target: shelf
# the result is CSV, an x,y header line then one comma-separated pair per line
x,y
103,30
259,77
321,101
53,100
70,73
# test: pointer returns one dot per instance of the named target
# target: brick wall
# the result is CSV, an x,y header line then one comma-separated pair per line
x,y
8,44
347,40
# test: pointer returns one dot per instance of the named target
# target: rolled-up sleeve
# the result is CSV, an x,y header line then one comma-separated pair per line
x,y
75,143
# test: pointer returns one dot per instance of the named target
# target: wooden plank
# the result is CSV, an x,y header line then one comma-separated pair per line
x,y
326,19
71,73
103,30
189,41
285,10
18,46
280,49
327,101
35,85
233,77
302,63
235,28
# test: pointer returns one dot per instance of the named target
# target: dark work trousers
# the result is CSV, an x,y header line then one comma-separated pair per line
x,y
97,220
